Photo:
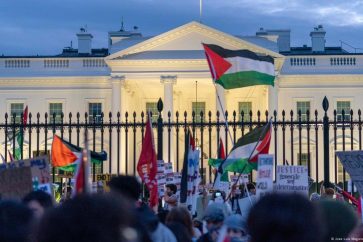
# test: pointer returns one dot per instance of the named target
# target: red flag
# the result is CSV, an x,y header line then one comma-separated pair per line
x,y
147,166
221,152
25,115
82,174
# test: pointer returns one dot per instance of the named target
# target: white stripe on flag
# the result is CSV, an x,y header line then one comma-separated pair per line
x,y
240,64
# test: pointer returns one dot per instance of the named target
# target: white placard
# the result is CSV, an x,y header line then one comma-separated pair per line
x,y
168,168
292,179
352,162
161,166
264,182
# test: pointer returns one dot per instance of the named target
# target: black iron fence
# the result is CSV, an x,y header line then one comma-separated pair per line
x,y
297,138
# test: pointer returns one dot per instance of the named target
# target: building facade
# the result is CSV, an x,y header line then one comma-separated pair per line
x,y
135,71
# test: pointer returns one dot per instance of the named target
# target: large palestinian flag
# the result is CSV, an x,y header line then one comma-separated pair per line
x,y
241,159
239,68
65,155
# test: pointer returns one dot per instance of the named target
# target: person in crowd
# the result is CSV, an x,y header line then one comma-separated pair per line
x,y
67,194
180,231
251,188
16,222
214,216
338,217
236,228
129,187
170,197
181,215
328,193
198,224
220,197
38,202
315,197
284,218
88,218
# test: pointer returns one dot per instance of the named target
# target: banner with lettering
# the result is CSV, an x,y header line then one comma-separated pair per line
x,y
264,181
292,179
352,162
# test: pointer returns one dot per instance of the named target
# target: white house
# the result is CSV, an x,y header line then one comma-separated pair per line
x,y
135,71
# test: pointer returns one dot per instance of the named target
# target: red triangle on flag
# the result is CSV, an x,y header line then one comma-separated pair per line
x,y
217,64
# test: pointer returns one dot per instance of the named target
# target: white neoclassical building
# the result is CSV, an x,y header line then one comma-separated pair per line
x,y
135,71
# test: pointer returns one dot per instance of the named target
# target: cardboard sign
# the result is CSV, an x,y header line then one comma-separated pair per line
x,y
292,179
246,204
15,183
103,180
352,162
264,181
168,168
161,166
39,168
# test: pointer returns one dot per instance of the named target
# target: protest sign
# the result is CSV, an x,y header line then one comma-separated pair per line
x,y
245,205
161,166
244,178
264,183
168,168
15,183
352,162
103,179
39,168
292,179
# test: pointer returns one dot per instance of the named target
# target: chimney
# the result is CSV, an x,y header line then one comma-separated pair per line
x,y
84,42
318,39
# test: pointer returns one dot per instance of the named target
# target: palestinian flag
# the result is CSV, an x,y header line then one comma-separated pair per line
x,y
239,68
64,154
241,159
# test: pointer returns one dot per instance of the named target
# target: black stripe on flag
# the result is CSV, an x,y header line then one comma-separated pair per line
x,y
225,53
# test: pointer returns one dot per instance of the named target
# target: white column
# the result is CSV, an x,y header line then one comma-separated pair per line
x,y
273,96
168,82
221,108
118,93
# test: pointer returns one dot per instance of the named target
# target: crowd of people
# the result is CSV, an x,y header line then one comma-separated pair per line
x,y
120,215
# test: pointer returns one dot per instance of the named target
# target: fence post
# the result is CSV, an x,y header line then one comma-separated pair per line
x,y
160,130
326,142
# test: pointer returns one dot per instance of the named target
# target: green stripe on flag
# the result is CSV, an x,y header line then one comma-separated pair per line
x,y
245,79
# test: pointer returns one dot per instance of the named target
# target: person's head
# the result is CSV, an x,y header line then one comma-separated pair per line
x,y
214,216
314,196
181,215
251,188
38,202
339,218
284,218
89,218
15,222
171,189
127,186
329,193
236,226
180,232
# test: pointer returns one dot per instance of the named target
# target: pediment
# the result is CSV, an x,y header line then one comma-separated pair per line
x,y
186,42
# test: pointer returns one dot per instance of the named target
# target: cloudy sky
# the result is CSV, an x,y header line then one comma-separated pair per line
x,y
30,27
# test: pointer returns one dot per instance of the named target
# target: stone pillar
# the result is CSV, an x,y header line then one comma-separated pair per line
x,y
118,95
168,82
